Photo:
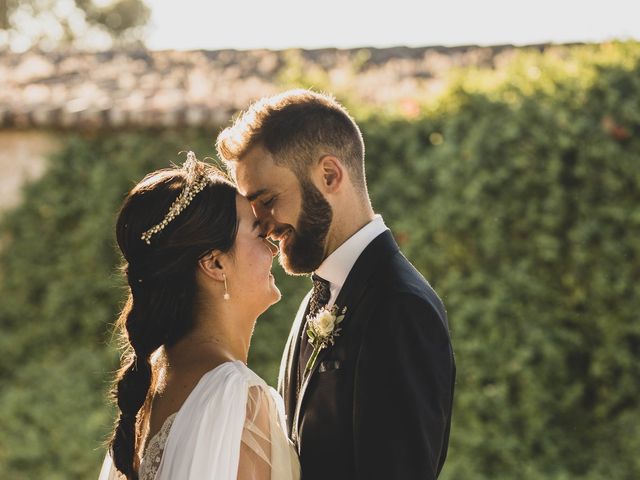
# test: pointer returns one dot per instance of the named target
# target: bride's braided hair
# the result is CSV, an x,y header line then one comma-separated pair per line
x,y
161,278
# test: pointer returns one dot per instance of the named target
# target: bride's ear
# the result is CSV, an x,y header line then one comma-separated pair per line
x,y
212,265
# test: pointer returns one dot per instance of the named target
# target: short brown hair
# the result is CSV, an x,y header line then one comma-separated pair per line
x,y
297,127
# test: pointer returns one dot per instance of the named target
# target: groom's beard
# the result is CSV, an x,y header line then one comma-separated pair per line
x,y
303,250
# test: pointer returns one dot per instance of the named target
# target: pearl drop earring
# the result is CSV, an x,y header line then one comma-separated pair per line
x,y
226,291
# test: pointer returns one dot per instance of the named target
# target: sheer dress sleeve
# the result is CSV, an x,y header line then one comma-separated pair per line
x,y
255,449
265,452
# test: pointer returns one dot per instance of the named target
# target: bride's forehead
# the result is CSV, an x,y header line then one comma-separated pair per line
x,y
243,206
245,212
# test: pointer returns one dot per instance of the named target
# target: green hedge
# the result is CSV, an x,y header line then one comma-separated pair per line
x,y
516,193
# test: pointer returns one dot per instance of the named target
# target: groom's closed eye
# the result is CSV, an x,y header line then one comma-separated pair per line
x,y
268,203
253,196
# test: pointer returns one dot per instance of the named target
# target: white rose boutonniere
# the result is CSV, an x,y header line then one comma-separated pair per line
x,y
322,330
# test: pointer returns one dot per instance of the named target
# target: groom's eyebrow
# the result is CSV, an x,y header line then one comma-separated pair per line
x,y
252,196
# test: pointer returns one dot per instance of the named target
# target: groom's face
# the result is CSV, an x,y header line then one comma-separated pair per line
x,y
293,211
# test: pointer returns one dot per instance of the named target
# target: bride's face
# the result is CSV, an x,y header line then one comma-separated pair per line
x,y
251,281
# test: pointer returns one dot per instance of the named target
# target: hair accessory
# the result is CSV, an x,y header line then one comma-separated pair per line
x,y
180,203
226,292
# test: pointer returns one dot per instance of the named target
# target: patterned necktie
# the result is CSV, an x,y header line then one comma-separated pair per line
x,y
319,298
320,295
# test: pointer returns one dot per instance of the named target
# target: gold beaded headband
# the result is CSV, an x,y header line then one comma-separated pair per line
x,y
180,203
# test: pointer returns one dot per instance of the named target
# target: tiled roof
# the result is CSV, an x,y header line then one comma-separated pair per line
x,y
117,89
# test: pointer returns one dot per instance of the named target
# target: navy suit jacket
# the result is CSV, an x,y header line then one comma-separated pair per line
x,y
378,403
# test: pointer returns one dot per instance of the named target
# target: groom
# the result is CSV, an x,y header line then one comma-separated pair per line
x,y
370,397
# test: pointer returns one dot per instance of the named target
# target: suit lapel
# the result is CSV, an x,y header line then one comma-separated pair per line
x,y
382,247
287,379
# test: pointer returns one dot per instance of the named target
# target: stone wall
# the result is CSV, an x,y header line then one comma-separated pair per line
x,y
23,157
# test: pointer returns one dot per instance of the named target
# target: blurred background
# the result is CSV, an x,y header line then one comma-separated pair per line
x,y
503,149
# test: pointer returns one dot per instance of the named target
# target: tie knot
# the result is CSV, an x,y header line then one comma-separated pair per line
x,y
320,295
317,279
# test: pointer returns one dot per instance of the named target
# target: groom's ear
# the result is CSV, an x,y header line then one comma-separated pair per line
x,y
332,173
212,265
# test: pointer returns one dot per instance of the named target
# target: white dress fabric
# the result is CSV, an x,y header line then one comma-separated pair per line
x,y
230,427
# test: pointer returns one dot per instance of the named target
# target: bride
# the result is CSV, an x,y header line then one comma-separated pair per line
x,y
198,268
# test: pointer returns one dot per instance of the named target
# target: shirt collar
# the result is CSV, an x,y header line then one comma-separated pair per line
x,y
336,267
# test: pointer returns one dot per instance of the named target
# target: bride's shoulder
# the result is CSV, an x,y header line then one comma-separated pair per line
x,y
229,383
225,386
257,385
253,379
233,372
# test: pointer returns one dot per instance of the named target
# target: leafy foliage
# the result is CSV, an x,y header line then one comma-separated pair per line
x,y
516,195
521,207
49,24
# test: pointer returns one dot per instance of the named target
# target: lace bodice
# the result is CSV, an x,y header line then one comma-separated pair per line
x,y
153,453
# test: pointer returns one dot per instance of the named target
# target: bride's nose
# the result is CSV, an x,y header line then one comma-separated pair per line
x,y
272,247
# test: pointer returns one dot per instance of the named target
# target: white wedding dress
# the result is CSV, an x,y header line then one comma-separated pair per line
x,y
231,426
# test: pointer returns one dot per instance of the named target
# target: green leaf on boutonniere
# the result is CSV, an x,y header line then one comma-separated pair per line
x,y
322,330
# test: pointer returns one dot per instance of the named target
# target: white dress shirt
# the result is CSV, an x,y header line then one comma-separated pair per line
x,y
336,267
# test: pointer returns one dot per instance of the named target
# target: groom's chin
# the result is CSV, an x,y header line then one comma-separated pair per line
x,y
298,264
292,268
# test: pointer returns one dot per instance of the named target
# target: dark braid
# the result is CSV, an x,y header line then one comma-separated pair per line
x,y
131,390
162,287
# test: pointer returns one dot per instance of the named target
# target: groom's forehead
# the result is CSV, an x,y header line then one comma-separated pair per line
x,y
252,168
251,181
257,174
